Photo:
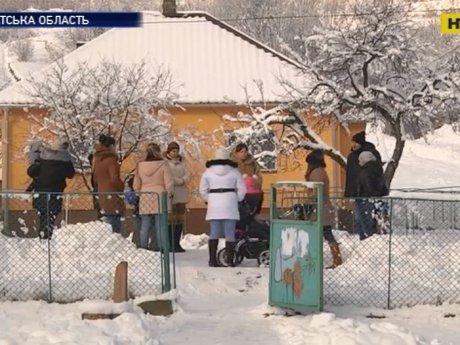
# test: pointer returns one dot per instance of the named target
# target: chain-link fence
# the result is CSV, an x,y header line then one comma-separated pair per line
x,y
396,252
65,247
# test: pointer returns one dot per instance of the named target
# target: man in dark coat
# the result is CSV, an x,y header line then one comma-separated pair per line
x,y
371,184
50,173
358,145
362,210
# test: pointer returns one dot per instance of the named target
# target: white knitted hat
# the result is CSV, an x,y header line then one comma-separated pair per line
x,y
221,153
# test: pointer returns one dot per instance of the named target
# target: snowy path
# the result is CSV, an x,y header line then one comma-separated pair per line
x,y
217,305
223,306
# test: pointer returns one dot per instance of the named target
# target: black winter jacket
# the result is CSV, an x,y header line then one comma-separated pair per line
x,y
51,171
353,168
371,181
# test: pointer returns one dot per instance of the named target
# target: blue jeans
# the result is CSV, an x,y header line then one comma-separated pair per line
x,y
115,221
228,225
363,211
150,232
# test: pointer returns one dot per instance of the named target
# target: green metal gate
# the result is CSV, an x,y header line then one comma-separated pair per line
x,y
296,246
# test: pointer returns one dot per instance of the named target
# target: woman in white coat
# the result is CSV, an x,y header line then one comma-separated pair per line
x,y
222,187
181,178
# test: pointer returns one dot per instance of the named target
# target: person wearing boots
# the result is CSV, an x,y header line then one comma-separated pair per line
x,y
316,172
222,187
180,198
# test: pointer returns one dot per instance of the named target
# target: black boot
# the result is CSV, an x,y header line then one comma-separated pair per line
x,y
177,236
230,250
212,244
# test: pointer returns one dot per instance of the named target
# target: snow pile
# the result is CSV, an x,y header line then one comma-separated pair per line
x,y
326,328
190,241
227,306
42,323
424,269
83,258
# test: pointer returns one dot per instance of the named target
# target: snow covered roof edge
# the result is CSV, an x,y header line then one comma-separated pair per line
x,y
235,31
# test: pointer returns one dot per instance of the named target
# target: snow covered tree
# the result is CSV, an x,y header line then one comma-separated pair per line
x,y
281,130
373,67
273,22
127,102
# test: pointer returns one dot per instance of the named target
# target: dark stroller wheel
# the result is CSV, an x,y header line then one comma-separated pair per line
x,y
264,258
222,258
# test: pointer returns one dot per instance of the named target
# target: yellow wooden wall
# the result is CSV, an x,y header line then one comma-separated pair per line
x,y
205,121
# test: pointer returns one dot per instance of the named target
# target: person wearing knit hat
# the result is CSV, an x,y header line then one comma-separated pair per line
x,y
371,184
181,179
222,187
359,138
358,145
221,154
362,209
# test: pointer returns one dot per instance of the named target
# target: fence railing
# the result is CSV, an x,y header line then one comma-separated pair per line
x,y
413,257
65,247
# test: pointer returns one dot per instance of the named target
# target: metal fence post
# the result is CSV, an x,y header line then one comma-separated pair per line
x,y
164,240
50,293
389,252
6,207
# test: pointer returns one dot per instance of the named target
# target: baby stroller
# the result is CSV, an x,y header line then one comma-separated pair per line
x,y
252,237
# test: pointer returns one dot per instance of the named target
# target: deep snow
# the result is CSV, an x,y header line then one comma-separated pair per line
x,y
220,306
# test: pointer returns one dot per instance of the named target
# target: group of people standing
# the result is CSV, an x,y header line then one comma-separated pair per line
x,y
364,180
51,166
230,178
156,173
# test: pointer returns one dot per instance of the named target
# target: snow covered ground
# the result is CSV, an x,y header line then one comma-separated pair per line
x,y
220,306
82,260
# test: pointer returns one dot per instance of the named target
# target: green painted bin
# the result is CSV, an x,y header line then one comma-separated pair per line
x,y
296,246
